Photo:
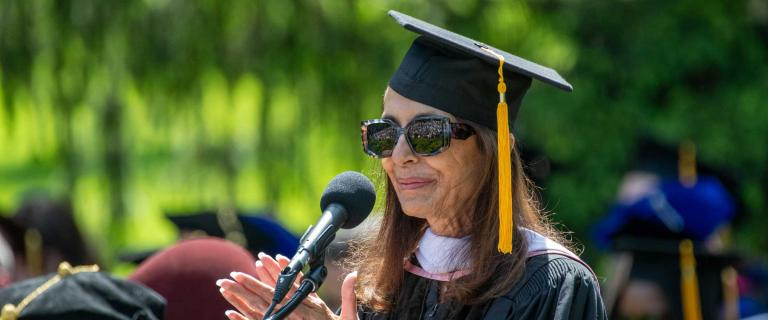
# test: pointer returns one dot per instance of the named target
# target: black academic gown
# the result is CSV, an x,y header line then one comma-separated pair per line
x,y
553,286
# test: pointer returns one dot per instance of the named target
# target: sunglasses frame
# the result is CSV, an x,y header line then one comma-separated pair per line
x,y
450,130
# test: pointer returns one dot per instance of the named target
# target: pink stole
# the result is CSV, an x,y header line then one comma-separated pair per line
x,y
538,245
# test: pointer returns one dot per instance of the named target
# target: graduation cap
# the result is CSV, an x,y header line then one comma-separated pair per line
x,y
681,161
80,293
255,232
259,233
467,79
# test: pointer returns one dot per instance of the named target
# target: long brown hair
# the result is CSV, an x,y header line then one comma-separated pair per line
x,y
379,259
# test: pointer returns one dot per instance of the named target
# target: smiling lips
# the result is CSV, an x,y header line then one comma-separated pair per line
x,y
413,183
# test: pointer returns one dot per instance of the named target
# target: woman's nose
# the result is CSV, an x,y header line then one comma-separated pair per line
x,y
402,152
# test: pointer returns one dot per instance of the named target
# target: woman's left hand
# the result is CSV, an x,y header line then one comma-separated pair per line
x,y
251,294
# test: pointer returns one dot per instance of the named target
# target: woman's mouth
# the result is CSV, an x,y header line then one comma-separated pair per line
x,y
413,183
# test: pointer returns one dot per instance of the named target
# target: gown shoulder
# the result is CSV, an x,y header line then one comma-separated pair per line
x,y
552,287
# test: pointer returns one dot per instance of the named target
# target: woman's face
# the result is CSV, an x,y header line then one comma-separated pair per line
x,y
436,188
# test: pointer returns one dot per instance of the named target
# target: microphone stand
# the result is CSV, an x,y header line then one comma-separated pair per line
x,y
310,283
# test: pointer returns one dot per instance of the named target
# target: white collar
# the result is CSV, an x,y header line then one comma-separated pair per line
x,y
538,242
439,254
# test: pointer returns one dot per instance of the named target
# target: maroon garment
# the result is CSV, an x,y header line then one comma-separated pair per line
x,y
186,273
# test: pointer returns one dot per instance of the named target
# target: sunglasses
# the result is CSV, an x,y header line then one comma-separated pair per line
x,y
427,136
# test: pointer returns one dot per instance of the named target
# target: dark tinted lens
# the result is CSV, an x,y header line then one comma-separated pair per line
x,y
382,138
427,136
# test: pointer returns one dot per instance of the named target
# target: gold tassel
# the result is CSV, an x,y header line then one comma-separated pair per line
x,y
689,282
686,163
506,223
33,249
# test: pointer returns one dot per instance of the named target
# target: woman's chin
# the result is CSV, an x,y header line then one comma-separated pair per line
x,y
414,211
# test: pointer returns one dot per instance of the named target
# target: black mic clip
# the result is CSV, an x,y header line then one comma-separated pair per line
x,y
309,283
314,278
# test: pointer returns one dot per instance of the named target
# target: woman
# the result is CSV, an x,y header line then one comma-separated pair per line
x,y
437,254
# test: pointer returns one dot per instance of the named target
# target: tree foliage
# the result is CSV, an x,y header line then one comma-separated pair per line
x,y
135,108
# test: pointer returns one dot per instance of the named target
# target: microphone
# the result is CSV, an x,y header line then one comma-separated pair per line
x,y
346,202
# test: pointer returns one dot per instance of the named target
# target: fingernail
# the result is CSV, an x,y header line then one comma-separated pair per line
x,y
219,282
281,256
259,264
233,274
221,290
262,255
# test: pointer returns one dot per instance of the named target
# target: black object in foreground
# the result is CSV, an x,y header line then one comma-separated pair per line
x,y
346,202
81,292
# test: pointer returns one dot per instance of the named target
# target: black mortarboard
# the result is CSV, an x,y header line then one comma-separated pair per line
x,y
466,78
671,159
455,74
80,293
261,234
253,231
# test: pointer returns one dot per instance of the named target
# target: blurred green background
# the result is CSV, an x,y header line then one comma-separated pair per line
x,y
137,108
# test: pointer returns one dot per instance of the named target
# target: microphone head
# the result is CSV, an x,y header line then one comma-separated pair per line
x,y
354,192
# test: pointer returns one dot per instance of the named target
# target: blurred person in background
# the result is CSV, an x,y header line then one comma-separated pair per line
x,y
49,236
668,232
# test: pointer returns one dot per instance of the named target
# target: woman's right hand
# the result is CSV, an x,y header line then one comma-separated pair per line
x,y
251,294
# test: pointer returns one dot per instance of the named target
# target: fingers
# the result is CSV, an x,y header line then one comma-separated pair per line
x,y
348,298
270,265
249,302
251,297
252,284
233,315
264,275
283,261
268,269
241,305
